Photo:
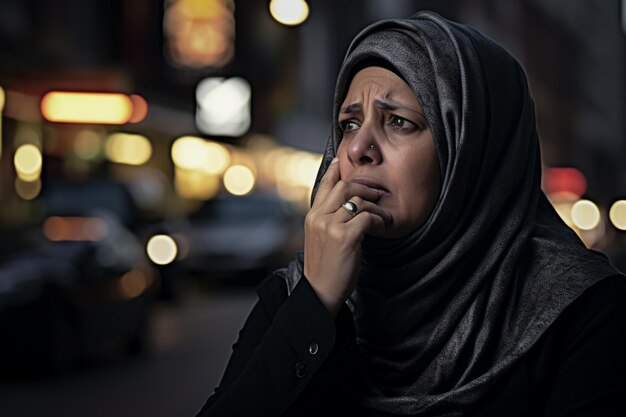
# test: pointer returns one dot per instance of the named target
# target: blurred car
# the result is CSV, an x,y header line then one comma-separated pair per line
x,y
237,237
81,290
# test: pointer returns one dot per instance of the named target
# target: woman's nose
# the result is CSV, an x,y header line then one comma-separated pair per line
x,y
364,148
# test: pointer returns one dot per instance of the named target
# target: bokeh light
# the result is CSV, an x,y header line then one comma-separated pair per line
x,y
80,107
289,12
162,249
129,149
585,214
564,182
189,152
239,180
72,228
88,144
199,33
27,190
564,210
28,162
2,99
132,284
196,184
223,106
140,108
218,158
617,214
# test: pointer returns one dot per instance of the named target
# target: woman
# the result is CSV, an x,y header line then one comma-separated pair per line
x,y
436,277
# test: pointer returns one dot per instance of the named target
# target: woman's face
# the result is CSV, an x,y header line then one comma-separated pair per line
x,y
387,145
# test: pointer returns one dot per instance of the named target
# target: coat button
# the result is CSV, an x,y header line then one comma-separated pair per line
x,y
300,369
313,348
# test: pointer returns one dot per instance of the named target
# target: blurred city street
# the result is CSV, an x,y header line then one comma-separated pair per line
x,y
190,344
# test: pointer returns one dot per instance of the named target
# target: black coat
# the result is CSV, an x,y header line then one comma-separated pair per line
x,y
292,358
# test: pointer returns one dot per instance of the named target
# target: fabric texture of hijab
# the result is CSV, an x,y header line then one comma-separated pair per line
x,y
444,312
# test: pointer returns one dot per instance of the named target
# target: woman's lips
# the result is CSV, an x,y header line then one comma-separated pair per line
x,y
372,184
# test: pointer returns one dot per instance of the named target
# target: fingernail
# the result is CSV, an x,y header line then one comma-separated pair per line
x,y
334,161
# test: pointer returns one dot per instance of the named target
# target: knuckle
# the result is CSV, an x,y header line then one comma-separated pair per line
x,y
341,185
358,201
336,232
323,226
309,219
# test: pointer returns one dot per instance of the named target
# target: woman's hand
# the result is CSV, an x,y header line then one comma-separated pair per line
x,y
333,236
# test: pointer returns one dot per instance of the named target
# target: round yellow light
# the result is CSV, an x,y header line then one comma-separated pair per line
x,y
196,184
289,12
130,149
239,180
585,215
189,152
162,249
218,158
617,214
28,161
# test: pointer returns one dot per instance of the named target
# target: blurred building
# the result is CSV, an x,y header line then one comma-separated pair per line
x,y
573,50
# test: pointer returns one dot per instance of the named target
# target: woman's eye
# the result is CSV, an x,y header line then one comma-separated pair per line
x,y
348,125
401,123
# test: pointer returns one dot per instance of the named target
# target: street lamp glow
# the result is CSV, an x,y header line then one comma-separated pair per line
x,y
28,162
129,149
80,107
218,158
585,215
289,12
189,152
162,249
223,106
196,184
239,180
617,214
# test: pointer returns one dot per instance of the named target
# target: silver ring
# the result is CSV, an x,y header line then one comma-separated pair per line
x,y
372,147
350,207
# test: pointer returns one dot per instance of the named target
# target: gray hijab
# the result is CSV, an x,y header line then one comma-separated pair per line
x,y
443,313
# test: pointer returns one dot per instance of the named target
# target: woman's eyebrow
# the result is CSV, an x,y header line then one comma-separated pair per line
x,y
352,108
385,105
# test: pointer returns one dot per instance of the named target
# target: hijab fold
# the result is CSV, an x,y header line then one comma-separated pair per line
x,y
444,312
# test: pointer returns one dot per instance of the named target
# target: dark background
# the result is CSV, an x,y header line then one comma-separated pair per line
x,y
573,51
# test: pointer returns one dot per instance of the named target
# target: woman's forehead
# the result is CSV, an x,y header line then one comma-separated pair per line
x,y
382,84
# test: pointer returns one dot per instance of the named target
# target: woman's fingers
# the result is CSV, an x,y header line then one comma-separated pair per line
x,y
328,181
344,191
334,233
366,206
333,192
362,224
